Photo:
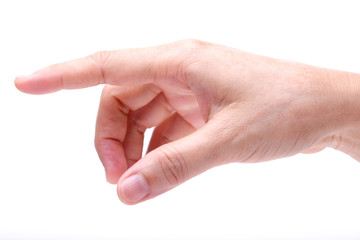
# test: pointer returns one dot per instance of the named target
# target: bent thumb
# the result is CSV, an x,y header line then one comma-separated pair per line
x,y
170,165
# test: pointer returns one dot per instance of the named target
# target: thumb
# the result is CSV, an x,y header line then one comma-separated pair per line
x,y
170,165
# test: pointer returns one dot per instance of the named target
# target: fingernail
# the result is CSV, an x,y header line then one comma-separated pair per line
x,y
134,188
20,76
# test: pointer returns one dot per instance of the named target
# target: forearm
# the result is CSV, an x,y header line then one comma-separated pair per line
x,y
338,93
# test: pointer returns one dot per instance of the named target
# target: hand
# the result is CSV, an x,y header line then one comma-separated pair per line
x,y
210,105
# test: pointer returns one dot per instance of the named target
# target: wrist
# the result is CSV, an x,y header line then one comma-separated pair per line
x,y
338,93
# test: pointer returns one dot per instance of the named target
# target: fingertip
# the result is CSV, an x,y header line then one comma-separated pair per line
x,y
112,156
19,80
111,180
38,83
120,195
121,198
133,189
112,176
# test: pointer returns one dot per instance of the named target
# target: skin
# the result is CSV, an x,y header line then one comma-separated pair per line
x,y
210,105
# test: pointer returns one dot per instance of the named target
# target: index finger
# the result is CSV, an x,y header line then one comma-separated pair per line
x,y
128,66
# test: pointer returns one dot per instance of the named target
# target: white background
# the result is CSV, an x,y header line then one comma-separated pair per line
x,y
52,185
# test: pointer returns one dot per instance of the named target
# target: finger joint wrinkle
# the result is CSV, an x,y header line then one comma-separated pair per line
x,y
99,59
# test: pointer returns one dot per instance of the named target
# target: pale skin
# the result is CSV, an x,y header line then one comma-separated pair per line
x,y
210,105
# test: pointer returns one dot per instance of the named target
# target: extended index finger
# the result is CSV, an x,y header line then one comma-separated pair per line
x,y
128,66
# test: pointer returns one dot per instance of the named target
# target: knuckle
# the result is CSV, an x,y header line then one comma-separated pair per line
x,y
100,143
173,166
194,43
192,59
101,59
192,48
178,61
100,147
97,144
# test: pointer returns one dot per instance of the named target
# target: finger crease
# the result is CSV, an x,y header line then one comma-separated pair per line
x,y
166,105
171,169
140,128
102,79
62,77
112,139
122,107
